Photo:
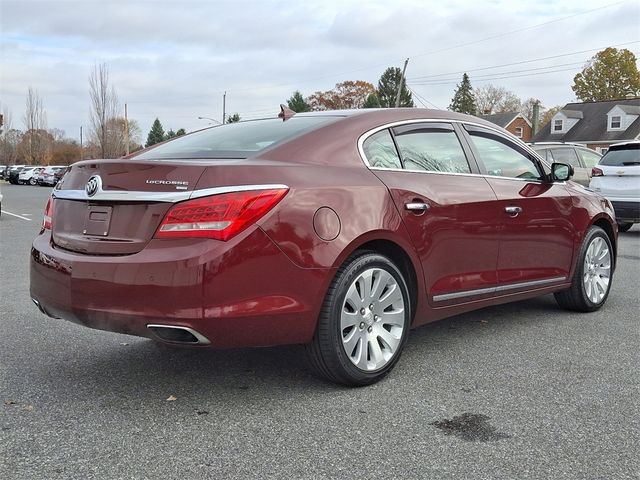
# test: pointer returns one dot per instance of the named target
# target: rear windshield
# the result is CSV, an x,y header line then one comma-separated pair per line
x,y
620,158
234,140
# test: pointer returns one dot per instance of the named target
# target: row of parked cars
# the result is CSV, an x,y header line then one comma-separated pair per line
x,y
32,174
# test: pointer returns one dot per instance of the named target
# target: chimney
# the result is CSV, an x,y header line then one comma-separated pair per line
x,y
535,119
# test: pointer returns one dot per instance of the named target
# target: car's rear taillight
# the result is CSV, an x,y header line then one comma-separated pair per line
x,y
596,172
219,216
47,221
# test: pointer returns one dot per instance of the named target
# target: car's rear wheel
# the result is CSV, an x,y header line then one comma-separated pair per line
x,y
364,321
592,279
32,181
624,227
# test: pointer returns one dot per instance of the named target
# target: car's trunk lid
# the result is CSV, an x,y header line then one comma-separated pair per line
x,y
130,199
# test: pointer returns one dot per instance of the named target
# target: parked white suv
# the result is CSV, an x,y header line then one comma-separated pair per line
x,y
617,177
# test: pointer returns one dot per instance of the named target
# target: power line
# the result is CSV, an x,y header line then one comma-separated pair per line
x,y
422,99
519,62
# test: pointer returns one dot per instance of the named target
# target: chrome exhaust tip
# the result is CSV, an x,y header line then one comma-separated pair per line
x,y
178,334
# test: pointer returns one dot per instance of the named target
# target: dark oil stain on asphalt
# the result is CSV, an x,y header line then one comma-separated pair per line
x,y
470,427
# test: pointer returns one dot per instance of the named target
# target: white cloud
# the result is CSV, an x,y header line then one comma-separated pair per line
x,y
173,59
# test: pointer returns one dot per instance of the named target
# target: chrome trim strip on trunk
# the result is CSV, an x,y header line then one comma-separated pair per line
x,y
499,288
167,197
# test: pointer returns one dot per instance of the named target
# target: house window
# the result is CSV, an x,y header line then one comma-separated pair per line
x,y
519,132
615,121
557,125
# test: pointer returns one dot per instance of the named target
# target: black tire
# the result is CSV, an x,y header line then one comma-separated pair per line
x,y
624,227
326,353
575,298
33,181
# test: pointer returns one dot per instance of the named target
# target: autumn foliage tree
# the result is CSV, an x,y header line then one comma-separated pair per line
x,y
609,75
345,95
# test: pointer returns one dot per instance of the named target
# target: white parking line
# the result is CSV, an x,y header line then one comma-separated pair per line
x,y
16,215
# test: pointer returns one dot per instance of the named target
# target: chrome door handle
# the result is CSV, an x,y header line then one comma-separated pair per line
x,y
416,207
513,211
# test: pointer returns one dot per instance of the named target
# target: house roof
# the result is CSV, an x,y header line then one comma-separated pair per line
x,y
501,119
593,125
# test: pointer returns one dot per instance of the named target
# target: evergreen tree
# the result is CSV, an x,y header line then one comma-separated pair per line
x,y
463,100
297,103
181,132
170,134
233,118
156,134
372,101
388,89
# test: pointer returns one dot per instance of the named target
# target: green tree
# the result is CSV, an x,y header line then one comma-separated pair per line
x,y
235,118
181,132
156,134
170,134
388,89
372,101
297,103
463,100
610,74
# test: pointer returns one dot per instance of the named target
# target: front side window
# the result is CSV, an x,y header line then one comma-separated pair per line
x,y
557,125
380,151
502,160
615,121
431,149
565,155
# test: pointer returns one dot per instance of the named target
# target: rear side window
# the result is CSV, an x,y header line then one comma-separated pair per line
x,y
621,158
589,158
380,151
432,149
565,155
501,159
235,140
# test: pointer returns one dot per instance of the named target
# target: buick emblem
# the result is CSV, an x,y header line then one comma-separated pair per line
x,y
93,185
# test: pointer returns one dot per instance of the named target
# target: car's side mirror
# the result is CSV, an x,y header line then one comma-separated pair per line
x,y
561,172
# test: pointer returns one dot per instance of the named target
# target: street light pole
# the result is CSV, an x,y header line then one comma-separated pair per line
x,y
211,119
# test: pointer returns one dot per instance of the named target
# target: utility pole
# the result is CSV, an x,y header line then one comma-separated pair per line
x,y
224,106
126,130
401,83
81,155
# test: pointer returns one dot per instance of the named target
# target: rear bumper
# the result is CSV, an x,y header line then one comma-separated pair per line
x,y
626,211
245,292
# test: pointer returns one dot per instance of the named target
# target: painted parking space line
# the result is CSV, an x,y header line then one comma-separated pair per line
x,y
19,216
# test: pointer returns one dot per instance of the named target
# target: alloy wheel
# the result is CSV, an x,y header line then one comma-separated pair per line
x,y
597,270
372,319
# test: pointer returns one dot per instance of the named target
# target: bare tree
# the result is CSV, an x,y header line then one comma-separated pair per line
x,y
36,142
491,99
104,110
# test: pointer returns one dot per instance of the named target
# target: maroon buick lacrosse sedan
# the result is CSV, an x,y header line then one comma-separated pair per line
x,y
339,230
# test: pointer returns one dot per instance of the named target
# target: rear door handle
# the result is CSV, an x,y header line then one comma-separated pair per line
x,y
513,211
416,207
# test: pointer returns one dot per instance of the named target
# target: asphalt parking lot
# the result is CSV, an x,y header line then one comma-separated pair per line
x,y
511,392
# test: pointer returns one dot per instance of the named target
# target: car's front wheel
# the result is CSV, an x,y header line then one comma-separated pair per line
x,y
592,279
364,321
33,181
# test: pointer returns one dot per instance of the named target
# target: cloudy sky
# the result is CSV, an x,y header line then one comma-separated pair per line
x,y
175,59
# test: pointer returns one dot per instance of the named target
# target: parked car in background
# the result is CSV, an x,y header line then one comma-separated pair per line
x,y
340,230
14,173
581,158
617,177
29,175
50,175
2,170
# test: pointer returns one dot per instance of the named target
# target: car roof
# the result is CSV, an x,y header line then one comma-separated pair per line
x,y
633,144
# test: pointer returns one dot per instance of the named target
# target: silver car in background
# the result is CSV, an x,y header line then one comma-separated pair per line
x,y
617,177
